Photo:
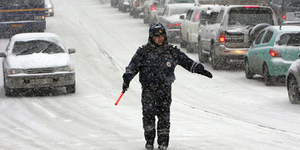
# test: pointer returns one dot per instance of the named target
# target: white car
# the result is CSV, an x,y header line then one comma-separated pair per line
x,y
293,82
49,8
37,60
171,21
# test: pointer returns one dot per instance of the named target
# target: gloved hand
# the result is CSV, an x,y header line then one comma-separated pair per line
x,y
127,77
206,73
200,70
125,86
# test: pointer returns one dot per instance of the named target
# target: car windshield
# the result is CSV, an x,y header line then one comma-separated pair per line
x,y
250,17
20,2
178,11
36,46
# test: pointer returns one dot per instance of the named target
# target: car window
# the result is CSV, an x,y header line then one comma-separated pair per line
x,y
268,36
35,46
189,14
250,17
177,11
294,40
220,16
259,37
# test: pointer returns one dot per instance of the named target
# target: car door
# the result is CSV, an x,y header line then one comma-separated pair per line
x,y
185,24
254,51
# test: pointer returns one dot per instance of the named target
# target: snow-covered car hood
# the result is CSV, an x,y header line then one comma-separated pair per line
x,y
38,60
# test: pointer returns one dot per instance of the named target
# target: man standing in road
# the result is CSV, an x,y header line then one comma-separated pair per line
x,y
155,62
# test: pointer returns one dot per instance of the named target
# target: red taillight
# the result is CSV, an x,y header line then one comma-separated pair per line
x,y
283,16
153,8
275,52
222,38
175,24
251,6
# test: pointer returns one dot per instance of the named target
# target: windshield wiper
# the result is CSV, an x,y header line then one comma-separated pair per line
x,y
27,50
46,47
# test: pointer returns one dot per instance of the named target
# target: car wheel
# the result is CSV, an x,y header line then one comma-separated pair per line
x,y
9,92
267,77
293,90
146,19
217,62
182,43
71,88
248,73
203,58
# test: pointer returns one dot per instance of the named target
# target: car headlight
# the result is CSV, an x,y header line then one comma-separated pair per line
x,y
39,17
65,68
14,71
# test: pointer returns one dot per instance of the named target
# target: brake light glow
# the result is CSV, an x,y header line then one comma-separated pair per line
x,y
251,6
153,8
222,38
283,16
275,52
175,24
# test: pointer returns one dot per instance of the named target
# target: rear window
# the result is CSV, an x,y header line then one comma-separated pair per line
x,y
293,3
251,16
290,39
181,1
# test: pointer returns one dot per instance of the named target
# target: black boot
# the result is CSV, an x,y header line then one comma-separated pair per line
x,y
149,146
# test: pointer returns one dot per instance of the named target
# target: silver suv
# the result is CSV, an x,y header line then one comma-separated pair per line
x,y
226,38
191,24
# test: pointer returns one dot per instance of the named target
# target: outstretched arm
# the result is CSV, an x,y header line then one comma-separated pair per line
x,y
190,65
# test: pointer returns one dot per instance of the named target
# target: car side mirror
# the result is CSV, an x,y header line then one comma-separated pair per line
x,y
181,17
71,50
250,42
2,54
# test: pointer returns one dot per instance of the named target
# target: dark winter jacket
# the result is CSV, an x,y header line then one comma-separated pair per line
x,y
156,64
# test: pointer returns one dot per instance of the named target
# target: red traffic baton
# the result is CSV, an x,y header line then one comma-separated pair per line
x,y
119,98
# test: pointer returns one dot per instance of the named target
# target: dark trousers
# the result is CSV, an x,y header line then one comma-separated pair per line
x,y
156,101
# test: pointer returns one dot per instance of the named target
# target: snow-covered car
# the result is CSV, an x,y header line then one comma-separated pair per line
x,y
136,7
171,19
37,60
149,10
191,25
226,38
293,82
49,8
123,5
272,52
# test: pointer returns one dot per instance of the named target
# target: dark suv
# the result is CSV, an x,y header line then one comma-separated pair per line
x,y
226,38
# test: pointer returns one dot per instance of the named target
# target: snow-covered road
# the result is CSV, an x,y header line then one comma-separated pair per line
x,y
228,112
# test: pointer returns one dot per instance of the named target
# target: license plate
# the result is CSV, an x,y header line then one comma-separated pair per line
x,y
41,81
17,25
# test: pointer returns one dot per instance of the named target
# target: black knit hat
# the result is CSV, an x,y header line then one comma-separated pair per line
x,y
156,29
